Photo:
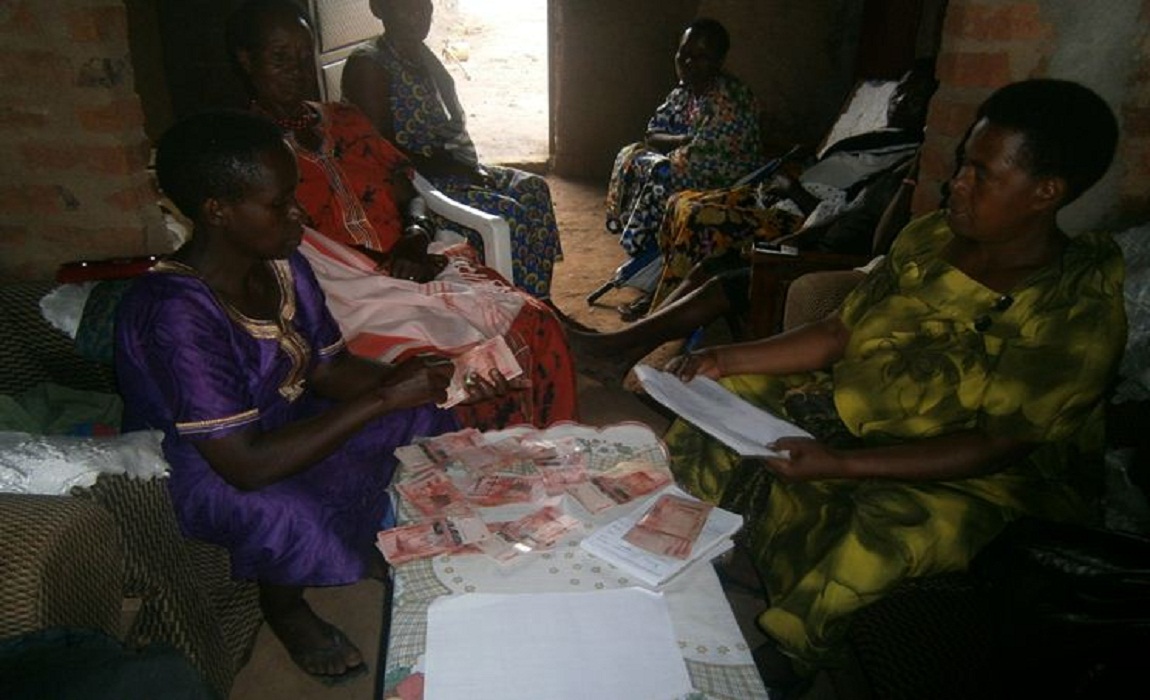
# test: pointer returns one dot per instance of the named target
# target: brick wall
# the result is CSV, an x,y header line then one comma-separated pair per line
x,y
73,154
1106,45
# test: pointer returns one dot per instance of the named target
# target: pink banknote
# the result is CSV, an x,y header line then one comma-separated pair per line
x,y
429,538
493,354
670,527
627,481
501,489
433,493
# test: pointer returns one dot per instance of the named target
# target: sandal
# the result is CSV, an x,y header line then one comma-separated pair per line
x,y
636,309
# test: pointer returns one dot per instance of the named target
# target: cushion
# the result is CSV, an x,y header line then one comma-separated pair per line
x,y
64,305
86,312
53,409
96,333
55,464
1135,368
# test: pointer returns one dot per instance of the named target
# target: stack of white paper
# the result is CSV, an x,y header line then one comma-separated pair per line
x,y
609,645
608,544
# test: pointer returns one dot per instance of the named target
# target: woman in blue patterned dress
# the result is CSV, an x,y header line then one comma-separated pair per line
x,y
704,136
410,98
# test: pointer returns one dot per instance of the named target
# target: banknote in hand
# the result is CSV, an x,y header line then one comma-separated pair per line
x,y
493,354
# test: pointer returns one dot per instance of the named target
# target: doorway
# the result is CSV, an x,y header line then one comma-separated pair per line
x,y
497,53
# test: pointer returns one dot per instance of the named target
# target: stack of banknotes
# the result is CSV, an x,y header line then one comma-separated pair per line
x,y
449,480
664,536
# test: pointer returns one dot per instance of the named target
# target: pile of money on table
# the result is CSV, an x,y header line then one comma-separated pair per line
x,y
449,480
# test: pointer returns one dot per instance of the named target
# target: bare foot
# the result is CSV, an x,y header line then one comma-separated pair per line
x,y
595,358
316,646
568,322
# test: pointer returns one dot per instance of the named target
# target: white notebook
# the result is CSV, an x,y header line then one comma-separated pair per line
x,y
652,569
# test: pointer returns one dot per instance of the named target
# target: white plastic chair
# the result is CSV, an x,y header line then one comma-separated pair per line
x,y
492,229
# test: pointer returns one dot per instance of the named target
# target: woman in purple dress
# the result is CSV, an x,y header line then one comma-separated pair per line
x,y
280,442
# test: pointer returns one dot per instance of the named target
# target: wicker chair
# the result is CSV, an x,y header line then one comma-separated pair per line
x,y
93,559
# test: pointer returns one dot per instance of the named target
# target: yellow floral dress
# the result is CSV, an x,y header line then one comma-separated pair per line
x,y
931,352
702,224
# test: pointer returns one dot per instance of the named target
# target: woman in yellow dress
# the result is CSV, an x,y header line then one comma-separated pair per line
x,y
944,394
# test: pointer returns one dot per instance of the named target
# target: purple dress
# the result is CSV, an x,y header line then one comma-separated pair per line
x,y
195,368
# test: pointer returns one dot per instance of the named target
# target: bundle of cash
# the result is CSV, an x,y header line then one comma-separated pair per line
x,y
670,527
430,538
559,478
440,450
433,493
622,483
502,489
493,354
562,462
541,529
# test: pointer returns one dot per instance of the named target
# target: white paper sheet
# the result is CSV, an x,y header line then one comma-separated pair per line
x,y
608,645
740,425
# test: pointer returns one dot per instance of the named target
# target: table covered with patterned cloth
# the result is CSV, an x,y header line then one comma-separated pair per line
x,y
716,654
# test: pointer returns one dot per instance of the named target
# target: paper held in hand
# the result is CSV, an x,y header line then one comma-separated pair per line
x,y
742,426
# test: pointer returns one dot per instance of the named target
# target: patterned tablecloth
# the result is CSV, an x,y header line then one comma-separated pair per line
x,y
716,654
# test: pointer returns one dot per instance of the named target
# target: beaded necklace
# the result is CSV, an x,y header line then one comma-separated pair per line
x,y
304,119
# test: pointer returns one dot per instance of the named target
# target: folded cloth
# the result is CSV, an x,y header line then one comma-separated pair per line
x,y
54,409
55,464
64,305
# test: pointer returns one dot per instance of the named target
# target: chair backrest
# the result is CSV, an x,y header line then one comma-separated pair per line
x,y
494,231
863,110
812,296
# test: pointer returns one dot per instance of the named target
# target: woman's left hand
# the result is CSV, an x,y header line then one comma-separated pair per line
x,y
665,143
480,388
805,460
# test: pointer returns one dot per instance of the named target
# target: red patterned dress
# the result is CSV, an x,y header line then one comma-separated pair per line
x,y
346,189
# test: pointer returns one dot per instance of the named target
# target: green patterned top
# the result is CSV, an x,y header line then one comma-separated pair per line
x,y
932,351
